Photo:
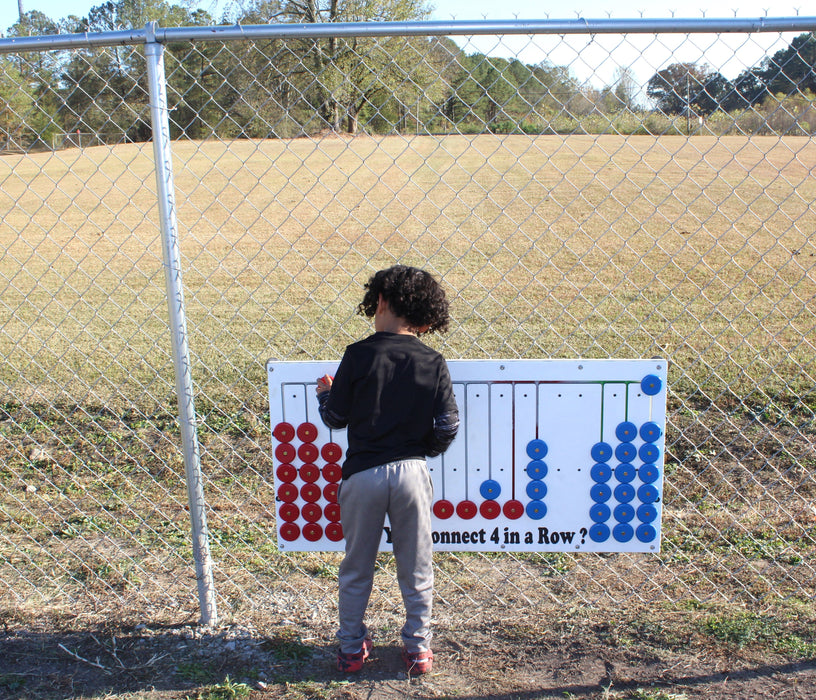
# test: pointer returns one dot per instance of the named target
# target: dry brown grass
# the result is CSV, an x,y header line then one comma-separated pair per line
x,y
699,249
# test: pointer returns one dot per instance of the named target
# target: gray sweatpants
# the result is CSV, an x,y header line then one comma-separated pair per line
x,y
403,491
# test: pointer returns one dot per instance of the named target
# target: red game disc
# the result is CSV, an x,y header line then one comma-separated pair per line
x,y
466,509
513,509
289,532
285,453
309,473
330,493
287,493
332,473
490,509
310,493
312,532
308,452
312,512
288,512
286,473
307,432
331,452
443,509
332,512
334,532
283,432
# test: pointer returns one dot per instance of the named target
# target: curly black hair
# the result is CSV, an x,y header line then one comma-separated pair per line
x,y
412,294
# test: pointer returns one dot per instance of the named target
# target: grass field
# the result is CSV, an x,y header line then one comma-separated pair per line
x,y
593,246
700,250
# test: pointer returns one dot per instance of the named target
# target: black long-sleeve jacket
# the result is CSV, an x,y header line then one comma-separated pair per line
x,y
394,394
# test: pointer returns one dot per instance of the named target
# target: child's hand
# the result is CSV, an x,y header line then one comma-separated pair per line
x,y
324,384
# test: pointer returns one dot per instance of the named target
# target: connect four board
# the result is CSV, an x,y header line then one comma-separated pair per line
x,y
551,455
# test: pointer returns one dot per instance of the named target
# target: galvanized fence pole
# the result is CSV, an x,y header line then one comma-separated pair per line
x,y
154,53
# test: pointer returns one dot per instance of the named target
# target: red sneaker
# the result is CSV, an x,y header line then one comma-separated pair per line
x,y
418,662
351,663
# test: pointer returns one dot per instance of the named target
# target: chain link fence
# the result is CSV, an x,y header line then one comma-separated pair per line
x,y
598,192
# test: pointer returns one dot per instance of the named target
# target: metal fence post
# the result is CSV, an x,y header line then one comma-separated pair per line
x,y
154,53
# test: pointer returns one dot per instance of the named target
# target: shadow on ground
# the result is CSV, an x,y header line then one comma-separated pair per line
x,y
164,662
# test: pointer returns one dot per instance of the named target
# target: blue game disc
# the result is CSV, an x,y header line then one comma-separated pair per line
x,y
648,493
601,473
650,432
536,510
646,533
536,469
647,513
536,490
625,452
600,493
648,473
624,513
599,513
599,532
624,493
649,453
490,489
625,473
623,532
601,451
651,384
537,449
626,431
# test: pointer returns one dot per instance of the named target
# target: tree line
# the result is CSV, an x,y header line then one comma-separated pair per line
x,y
687,87
277,88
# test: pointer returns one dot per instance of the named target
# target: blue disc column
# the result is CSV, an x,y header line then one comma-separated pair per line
x,y
626,452
536,488
600,492
648,473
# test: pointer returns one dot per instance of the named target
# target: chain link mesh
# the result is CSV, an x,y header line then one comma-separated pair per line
x,y
565,220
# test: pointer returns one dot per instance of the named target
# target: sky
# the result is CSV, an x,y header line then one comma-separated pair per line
x,y
592,60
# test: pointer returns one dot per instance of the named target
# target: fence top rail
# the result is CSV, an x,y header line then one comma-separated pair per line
x,y
86,40
152,33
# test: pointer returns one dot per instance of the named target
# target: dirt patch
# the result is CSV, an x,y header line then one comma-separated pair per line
x,y
652,654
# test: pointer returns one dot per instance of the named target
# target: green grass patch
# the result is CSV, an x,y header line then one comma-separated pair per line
x,y
11,682
226,690
747,629
287,646
194,671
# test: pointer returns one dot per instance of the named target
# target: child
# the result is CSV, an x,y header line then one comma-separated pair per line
x,y
394,395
